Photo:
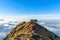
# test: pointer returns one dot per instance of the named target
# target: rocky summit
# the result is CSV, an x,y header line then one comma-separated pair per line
x,y
31,30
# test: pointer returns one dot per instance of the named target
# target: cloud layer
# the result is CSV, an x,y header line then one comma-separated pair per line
x,y
7,24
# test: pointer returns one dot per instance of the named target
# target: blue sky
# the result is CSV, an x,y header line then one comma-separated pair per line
x,y
29,7
39,9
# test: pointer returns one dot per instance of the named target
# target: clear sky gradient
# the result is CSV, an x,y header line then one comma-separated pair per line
x,y
29,7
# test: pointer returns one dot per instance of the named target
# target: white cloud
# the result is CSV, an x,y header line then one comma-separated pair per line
x,y
58,25
3,34
27,17
42,23
52,29
6,24
2,22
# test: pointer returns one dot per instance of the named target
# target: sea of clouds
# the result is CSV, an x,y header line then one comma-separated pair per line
x,y
6,24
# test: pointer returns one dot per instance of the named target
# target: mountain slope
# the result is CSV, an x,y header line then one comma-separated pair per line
x,y
31,31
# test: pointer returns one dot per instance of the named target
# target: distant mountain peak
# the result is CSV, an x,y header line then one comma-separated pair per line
x,y
31,30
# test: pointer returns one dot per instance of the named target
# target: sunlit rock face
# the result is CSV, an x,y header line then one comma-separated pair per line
x,y
31,30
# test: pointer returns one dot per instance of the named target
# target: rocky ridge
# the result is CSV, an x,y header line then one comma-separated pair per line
x,y
31,30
